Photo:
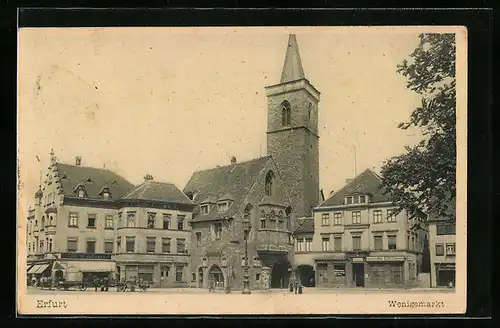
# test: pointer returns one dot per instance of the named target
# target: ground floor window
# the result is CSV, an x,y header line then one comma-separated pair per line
x,y
377,274
145,273
382,273
339,275
179,273
445,277
396,273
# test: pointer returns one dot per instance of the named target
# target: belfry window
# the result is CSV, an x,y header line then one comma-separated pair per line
x,y
269,183
286,113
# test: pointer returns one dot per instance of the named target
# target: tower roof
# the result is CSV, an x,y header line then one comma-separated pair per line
x,y
292,68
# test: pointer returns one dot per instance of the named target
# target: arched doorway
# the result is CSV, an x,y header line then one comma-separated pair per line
x,y
216,277
200,278
306,275
280,275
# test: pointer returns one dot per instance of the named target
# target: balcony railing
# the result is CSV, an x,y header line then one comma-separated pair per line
x,y
272,240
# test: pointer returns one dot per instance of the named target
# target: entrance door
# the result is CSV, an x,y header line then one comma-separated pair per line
x,y
280,275
358,271
446,278
215,277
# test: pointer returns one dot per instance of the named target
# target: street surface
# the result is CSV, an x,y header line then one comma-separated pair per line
x,y
35,291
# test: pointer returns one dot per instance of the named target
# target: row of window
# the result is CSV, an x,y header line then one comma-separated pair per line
x,y
350,200
32,246
286,113
356,217
222,207
130,245
304,245
131,221
450,249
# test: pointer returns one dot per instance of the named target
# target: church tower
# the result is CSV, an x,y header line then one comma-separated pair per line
x,y
292,131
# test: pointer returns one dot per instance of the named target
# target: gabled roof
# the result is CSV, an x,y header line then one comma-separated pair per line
x,y
292,68
305,225
158,191
235,180
72,175
367,182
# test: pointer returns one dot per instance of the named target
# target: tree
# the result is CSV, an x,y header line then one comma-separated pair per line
x,y
423,178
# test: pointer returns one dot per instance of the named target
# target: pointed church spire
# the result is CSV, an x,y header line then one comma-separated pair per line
x,y
292,68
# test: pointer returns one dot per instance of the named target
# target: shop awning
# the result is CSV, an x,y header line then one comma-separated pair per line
x,y
33,268
40,268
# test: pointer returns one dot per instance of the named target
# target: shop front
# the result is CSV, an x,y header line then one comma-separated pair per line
x,y
38,270
385,271
445,275
83,267
332,273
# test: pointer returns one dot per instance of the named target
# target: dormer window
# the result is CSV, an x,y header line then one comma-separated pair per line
x,y
81,193
105,193
204,209
349,200
223,206
362,199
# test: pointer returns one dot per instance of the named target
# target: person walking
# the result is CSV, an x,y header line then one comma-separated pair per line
x,y
95,282
295,286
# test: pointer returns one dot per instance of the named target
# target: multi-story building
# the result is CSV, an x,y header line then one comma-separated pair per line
x,y
153,234
304,254
361,239
73,229
442,241
270,191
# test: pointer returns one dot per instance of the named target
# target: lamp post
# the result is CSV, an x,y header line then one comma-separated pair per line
x,y
246,229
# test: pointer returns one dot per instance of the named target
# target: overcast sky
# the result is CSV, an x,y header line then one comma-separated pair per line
x,y
169,101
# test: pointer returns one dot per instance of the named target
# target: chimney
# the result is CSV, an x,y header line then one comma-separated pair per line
x,y
233,160
78,161
148,177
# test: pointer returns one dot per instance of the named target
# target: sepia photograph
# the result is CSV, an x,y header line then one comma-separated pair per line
x,y
242,170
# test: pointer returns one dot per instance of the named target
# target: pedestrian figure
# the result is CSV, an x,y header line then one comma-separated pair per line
x,y
300,287
281,283
106,284
296,285
96,283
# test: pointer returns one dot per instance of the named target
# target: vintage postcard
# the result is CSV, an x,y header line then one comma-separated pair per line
x,y
242,170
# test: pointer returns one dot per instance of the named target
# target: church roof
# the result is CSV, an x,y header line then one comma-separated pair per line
x,y
292,68
93,179
158,191
235,180
366,183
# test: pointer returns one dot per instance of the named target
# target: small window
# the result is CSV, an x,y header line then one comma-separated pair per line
x,y
130,244
356,217
179,273
349,200
91,221
198,238
181,246
108,247
81,193
118,245
257,276
391,242
151,220
300,245
450,249
377,242
308,244
286,113
165,246
337,243
269,183
150,244
325,243
180,222
73,220
263,223
362,199
193,276
356,243
439,249
218,231
166,221
391,217
131,220
90,246
204,209
377,216
223,207
325,219
337,218
72,245
109,222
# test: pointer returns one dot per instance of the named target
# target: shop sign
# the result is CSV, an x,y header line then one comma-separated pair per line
x,y
357,259
86,256
385,259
